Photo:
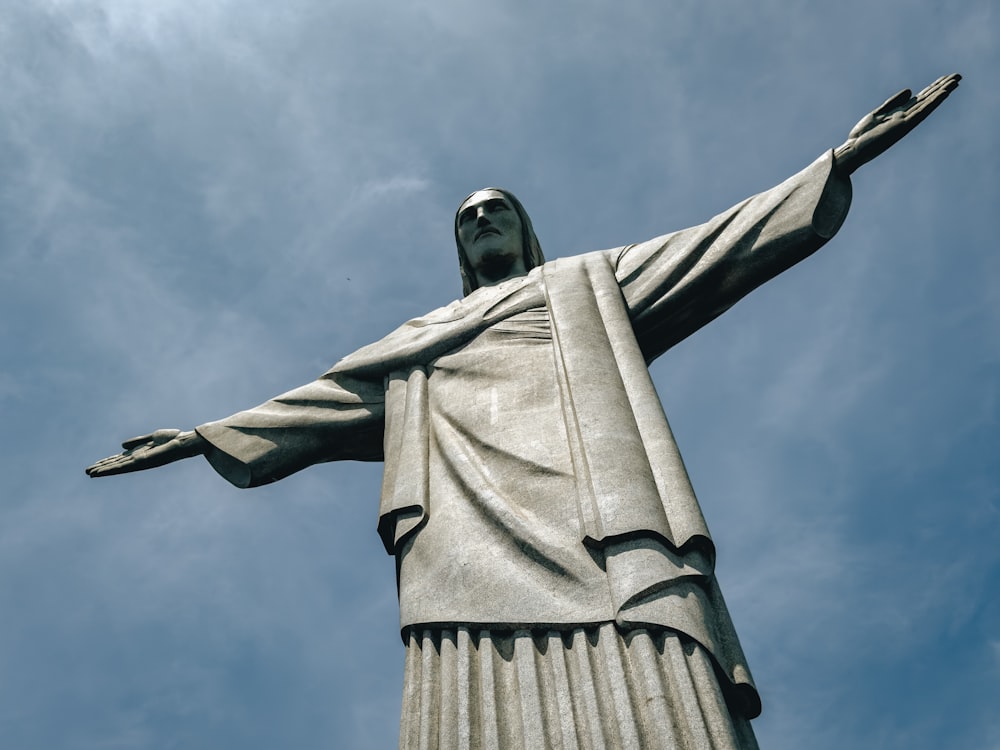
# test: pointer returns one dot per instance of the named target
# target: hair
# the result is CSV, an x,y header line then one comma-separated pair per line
x,y
529,242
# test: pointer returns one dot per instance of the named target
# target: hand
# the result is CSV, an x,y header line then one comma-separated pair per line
x,y
898,116
149,451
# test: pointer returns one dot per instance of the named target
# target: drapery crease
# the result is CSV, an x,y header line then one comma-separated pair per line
x,y
564,690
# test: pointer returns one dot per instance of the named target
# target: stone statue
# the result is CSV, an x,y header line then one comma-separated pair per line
x,y
555,573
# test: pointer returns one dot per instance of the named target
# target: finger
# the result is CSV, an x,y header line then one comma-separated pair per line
x,y
948,82
107,465
939,89
115,459
107,471
929,93
96,470
103,462
931,100
918,114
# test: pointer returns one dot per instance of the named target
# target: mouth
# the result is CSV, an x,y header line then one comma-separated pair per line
x,y
485,231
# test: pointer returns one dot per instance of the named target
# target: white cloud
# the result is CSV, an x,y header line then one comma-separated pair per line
x,y
103,27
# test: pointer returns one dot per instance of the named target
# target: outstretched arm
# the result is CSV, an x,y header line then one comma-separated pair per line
x,y
335,418
900,114
149,451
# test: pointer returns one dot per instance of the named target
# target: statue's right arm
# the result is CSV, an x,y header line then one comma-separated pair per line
x,y
149,451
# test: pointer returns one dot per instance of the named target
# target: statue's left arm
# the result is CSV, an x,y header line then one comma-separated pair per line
x,y
675,284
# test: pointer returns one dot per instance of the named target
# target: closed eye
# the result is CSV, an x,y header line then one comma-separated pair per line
x,y
491,206
497,204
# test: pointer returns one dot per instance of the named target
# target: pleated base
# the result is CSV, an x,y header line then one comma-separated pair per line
x,y
591,687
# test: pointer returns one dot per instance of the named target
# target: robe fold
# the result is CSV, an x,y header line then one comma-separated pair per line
x,y
531,478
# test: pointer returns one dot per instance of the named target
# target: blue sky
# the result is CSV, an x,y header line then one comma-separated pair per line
x,y
205,204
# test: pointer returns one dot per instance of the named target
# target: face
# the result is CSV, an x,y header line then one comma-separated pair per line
x,y
489,230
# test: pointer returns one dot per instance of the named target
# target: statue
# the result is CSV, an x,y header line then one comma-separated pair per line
x,y
555,573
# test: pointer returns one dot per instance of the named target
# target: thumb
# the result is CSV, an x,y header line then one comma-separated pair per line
x,y
897,100
159,437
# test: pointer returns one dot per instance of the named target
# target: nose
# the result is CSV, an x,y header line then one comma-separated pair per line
x,y
481,217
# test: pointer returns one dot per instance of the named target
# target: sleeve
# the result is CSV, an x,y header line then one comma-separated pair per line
x,y
331,419
675,284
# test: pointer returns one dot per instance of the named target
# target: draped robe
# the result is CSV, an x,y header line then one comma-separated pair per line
x,y
531,479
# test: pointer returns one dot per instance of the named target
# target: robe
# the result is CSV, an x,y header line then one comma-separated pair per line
x,y
531,480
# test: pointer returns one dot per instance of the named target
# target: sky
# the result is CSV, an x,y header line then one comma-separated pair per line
x,y
205,204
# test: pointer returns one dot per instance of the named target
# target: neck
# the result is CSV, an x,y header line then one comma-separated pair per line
x,y
495,270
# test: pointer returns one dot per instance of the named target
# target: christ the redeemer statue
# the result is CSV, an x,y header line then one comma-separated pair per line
x,y
556,583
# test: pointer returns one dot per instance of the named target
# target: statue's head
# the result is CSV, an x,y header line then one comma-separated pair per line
x,y
491,226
